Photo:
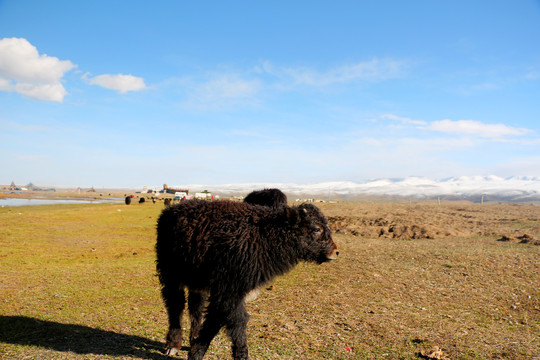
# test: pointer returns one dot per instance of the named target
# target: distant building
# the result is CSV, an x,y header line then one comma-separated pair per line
x,y
171,190
205,195
14,187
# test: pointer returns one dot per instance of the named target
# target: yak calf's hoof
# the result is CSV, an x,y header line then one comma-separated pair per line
x,y
171,350
174,342
173,347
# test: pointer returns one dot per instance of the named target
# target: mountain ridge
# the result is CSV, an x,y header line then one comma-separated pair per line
x,y
514,188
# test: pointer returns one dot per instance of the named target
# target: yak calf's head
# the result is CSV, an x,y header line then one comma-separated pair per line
x,y
315,237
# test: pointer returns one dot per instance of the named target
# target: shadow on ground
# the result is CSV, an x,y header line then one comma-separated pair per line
x,y
20,330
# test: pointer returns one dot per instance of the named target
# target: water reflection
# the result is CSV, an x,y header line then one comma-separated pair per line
x,y
27,202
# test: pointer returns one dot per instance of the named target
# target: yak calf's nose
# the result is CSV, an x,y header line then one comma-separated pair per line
x,y
333,255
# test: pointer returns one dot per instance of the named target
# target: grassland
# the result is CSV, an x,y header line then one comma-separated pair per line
x,y
78,282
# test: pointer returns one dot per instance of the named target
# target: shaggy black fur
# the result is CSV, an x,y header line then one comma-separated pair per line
x,y
220,251
267,197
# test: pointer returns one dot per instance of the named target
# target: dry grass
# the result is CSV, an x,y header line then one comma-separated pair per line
x,y
78,283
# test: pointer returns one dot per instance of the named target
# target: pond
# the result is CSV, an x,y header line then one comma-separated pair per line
x,y
27,202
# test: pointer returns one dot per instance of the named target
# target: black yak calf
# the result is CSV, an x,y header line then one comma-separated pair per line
x,y
267,197
220,251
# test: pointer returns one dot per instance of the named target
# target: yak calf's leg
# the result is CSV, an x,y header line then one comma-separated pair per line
x,y
196,302
175,301
231,314
237,329
213,321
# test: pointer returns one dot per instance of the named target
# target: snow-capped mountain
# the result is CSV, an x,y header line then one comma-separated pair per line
x,y
513,188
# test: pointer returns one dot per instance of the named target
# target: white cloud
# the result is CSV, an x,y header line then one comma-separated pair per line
x,y
50,92
5,85
373,70
463,127
32,157
487,86
25,71
227,87
527,165
533,75
403,119
119,82
24,128
221,92
471,127
408,146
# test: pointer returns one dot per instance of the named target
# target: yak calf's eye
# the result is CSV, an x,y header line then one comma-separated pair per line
x,y
318,230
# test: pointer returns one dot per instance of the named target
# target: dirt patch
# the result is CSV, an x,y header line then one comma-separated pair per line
x,y
523,239
434,353
378,228
426,221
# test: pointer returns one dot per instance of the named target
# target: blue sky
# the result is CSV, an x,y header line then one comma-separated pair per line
x,y
126,94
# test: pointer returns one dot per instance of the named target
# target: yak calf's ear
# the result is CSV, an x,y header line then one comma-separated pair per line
x,y
292,215
305,210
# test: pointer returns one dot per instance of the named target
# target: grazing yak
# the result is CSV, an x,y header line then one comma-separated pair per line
x,y
220,251
267,197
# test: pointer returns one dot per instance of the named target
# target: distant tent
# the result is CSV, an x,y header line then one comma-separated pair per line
x,y
12,186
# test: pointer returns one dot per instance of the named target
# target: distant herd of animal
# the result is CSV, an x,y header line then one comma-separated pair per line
x,y
222,250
